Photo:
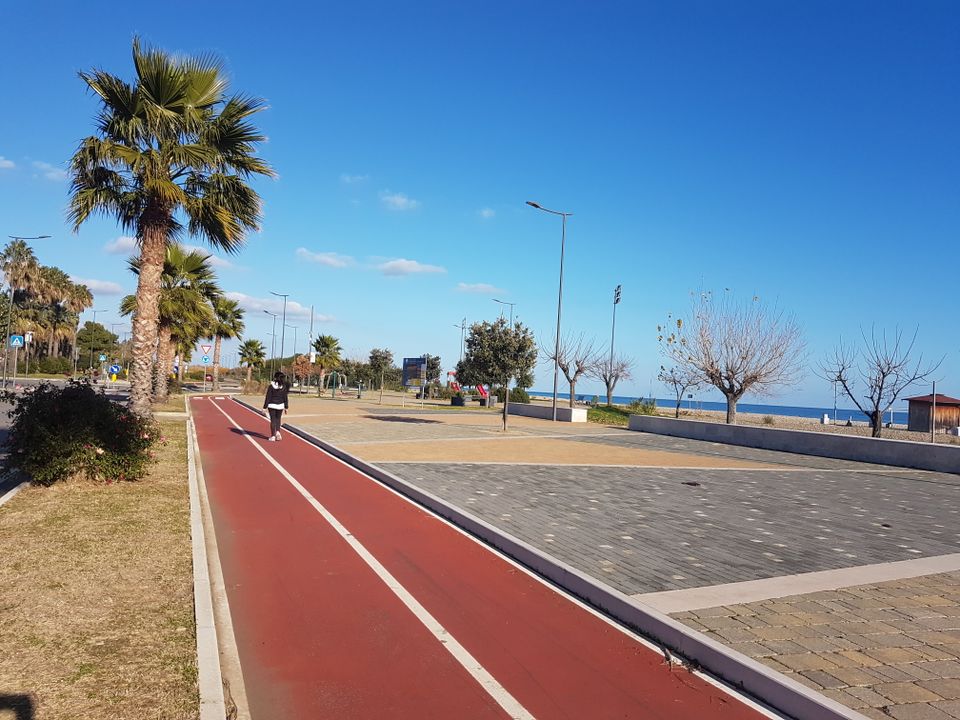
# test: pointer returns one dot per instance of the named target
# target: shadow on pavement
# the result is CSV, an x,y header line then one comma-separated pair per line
x,y
251,433
397,418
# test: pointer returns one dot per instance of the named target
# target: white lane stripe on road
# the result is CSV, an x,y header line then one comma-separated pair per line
x,y
493,688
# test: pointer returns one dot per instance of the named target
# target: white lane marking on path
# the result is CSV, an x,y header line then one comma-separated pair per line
x,y
493,688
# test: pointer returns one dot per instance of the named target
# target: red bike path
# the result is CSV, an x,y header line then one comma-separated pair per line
x,y
321,635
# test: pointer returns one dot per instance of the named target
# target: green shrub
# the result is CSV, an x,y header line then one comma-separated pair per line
x,y
643,407
53,365
58,433
519,395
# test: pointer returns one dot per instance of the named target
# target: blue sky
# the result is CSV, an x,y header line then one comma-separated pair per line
x,y
807,153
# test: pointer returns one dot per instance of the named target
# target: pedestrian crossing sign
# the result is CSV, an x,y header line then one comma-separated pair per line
x,y
16,341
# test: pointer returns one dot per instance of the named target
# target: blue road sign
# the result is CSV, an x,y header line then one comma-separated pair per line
x,y
206,359
114,369
103,358
16,341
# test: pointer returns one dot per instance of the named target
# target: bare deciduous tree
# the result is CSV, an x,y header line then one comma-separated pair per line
x,y
735,346
884,367
576,358
610,374
679,379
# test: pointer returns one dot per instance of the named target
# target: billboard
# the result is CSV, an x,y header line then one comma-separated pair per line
x,y
414,372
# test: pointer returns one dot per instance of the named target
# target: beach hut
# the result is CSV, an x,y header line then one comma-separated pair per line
x,y
948,412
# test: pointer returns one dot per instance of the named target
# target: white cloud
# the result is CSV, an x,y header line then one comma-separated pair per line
x,y
330,259
480,289
486,213
123,245
273,304
353,179
6,164
401,266
214,260
398,201
50,172
99,287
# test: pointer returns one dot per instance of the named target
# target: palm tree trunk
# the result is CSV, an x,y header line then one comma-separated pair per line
x,y
216,362
165,353
181,368
249,374
145,320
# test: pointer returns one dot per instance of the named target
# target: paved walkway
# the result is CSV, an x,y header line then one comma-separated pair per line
x,y
653,515
349,601
889,650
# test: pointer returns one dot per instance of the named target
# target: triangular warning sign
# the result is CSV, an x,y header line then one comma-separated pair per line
x,y
206,349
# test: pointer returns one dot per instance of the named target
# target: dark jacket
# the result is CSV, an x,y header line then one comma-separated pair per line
x,y
276,395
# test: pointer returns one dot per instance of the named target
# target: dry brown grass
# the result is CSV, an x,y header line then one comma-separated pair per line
x,y
96,596
174,403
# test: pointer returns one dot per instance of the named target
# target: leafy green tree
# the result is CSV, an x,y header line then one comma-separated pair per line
x,y
327,349
496,353
358,370
381,360
433,368
228,324
93,339
252,354
171,152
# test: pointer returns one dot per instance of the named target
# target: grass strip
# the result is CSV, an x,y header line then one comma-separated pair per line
x,y
608,415
96,595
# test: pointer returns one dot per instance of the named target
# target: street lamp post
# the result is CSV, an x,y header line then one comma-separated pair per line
x,y
91,342
294,372
511,308
6,339
556,351
613,327
283,323
463,330
273,339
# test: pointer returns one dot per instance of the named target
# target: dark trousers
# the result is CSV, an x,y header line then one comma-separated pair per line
x,y
276,418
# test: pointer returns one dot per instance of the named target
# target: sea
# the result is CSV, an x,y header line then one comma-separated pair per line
x,y
842,414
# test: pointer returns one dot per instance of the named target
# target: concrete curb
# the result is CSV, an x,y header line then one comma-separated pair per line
x,y
209,679
234,688
739,671
8,496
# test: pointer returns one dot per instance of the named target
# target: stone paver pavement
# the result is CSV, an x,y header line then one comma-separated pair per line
x,y
888,650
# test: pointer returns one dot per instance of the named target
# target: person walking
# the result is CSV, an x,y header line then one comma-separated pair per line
x,y
276,404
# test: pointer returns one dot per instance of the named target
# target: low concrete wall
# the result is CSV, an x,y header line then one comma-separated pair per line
x,y
900,453
545,412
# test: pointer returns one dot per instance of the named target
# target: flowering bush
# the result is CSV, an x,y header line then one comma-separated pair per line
x,y
62,432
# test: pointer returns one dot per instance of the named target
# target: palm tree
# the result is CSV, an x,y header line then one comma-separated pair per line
x,y
327,357
188,288
22,273
252,354
78,299
171,152
56,290
228,324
